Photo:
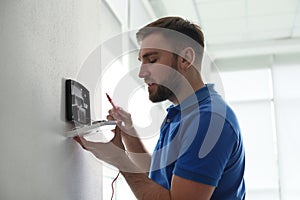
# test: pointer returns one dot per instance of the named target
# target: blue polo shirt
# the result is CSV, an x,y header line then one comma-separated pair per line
x,y
200,140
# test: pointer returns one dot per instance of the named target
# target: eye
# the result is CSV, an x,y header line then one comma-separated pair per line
x,y
152,60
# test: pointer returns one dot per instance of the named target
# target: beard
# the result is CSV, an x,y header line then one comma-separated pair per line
x,y
163,92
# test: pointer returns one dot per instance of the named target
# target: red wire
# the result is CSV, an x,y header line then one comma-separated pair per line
x,y
112,186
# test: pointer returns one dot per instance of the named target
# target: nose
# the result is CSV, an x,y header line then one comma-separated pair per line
x,y
144,72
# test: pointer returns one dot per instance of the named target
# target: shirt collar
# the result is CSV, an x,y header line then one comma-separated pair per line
x,y
197,97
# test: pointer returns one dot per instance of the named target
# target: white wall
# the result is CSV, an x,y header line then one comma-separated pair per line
x,y
41,43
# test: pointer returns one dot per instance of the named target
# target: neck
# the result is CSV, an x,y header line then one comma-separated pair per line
x,y
186,91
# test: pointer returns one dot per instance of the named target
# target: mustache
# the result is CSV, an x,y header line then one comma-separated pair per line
x,y
149,80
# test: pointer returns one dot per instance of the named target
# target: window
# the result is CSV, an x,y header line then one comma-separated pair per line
x,y
286,75
250,94
266,101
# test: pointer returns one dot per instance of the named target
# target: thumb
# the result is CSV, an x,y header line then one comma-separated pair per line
x,y
87,145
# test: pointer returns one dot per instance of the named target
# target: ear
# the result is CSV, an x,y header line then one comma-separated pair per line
x,y
187,58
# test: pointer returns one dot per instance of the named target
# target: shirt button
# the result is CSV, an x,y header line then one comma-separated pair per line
x,y
168,120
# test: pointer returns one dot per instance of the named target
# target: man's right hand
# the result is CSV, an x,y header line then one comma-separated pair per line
x,y
124,121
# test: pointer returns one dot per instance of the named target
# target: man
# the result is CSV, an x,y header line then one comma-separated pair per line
x,y
200,153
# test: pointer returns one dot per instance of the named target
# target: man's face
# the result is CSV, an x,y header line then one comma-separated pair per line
x,y
159,68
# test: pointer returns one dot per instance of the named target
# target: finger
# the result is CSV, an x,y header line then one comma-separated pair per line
x,y
114,110
84,143
110,111
117,132
116,116
117,140
124,115
78,140
110,118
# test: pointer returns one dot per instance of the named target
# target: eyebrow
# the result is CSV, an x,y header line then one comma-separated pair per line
x,y
148,54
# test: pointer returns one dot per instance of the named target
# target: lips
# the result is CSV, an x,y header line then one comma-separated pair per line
x,y
149,82
151,86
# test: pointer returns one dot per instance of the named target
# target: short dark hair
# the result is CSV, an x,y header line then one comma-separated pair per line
x,y
178,24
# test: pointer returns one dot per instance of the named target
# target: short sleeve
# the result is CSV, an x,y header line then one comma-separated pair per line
x,y
206,144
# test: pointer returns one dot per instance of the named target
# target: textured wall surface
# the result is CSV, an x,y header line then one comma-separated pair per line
x,y
43,42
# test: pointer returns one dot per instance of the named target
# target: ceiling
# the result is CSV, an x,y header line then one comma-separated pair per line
x,y
240,26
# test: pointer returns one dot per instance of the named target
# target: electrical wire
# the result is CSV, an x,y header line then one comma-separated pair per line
x,y
112,186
